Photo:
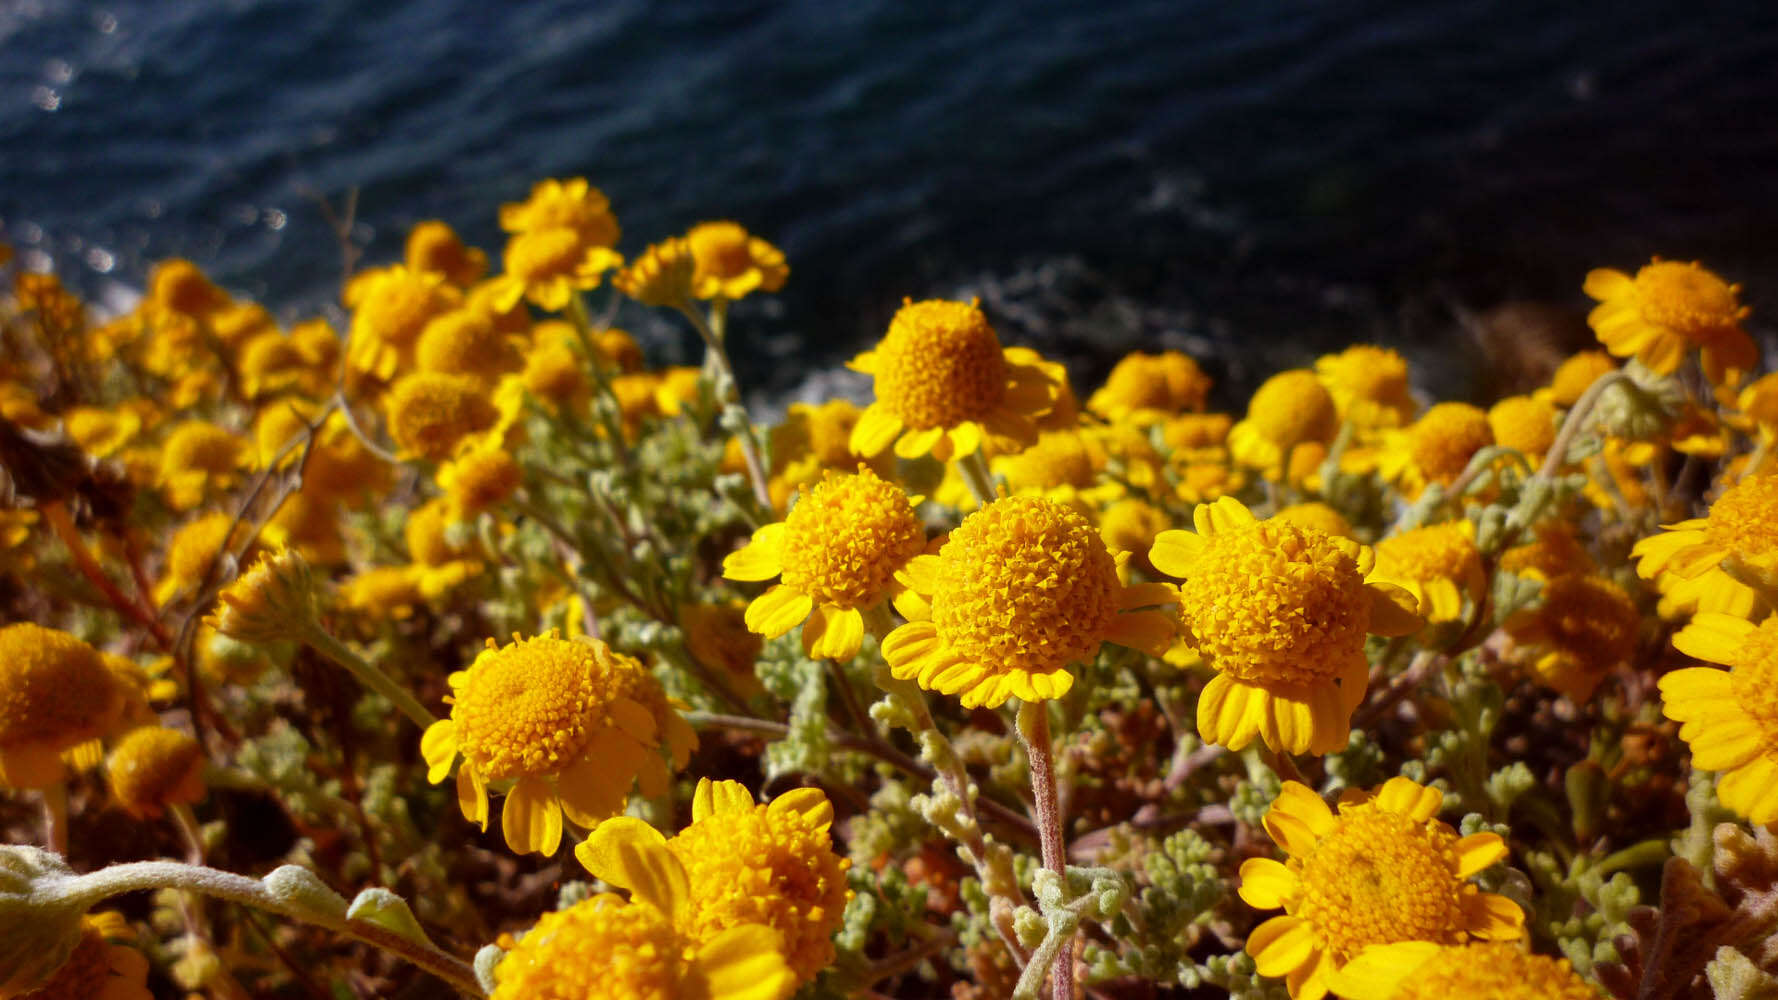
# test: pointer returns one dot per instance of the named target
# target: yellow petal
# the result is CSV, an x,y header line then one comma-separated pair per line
x,y
1225,514
532,818
1150,631
632,855
760,559
1280,944
634,719
472,796
1410,798
744,963
1393,610
778,610
838,632
1378,971
720,798
1477,851
1713,637
1493,917
875,430
1229,712
809,803
1174,551
591,793
1266,884
1286,724
1148,595
438,747
916,443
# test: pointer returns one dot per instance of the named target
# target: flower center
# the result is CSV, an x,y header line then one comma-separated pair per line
x,y
1754,678
1381,877
54,688
1025,584
1686,299
1494,970
1275,603
200,447
528,708
720,248
1059,458
939,365
600,947
1744,521
1435,552
400,305
1293,407
845,539
541,254
1443,441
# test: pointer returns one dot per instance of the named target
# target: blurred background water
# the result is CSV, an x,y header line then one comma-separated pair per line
x,y
1255,181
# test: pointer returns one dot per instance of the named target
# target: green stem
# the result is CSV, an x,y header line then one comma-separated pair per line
x,y
974,470
728,391
324,643
1034,731
144,875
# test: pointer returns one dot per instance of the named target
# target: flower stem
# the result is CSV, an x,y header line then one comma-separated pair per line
x,y
55,817
974,470
62,523
141,875
728,392
1034,731
324,643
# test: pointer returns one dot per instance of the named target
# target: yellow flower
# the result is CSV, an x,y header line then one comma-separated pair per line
x,y
96,969
1281,613
547,267
433,247
1581,628
1554,553
603,947
384,592
1729,558
481,475
430,413
729,262
942,377
153,768
1526,424
271,363
1667,309
1576,375
1369,386
1439,564
199,460
1436,448
718,637
1317,515
102,432
1145,387
1730,717
838,551
1383,870
439,564
1290,409
55,693
568,725
180,286
390,309
273,600
745,864
571,204
1131,526
556,376
466,342
662,276
190,553
1023,588
1065,466
1488,970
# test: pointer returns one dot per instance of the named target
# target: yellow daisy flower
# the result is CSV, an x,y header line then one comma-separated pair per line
x,y
604,947
1369,386
481,475
55,694
837,551
1317,515
557,378
1281,613
1581,628
199,460
439,564
1439,564
1023,588
102,431
1667,309
153,768
1436,448
1483,970
572,204
565,725
1289,409
1526,424
943,384
1146,387
386,593
728,262
717,636
96,969
1730,717
1382,870
547,267
1554,552
1729,557
662,276
390,309
467,342
1576,375
433,247
189,554
744,863
431,413
179,286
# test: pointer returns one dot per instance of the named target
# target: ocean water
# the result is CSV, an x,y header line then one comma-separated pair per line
x,y
1255,180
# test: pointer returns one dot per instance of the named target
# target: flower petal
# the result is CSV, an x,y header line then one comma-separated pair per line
x,y
531,820
778,610
1174,551
744,963
1266,884
1281,944
632,855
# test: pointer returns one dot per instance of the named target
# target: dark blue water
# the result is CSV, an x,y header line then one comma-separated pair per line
x,y
1267,176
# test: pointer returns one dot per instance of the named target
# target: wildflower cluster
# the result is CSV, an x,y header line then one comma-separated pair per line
x,y
586,684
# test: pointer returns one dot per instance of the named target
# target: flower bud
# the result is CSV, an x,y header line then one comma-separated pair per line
x,y
272,601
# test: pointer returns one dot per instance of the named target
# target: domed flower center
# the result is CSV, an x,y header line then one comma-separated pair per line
x,y
429,412
529,708
1381,877
1755,680
1494,970
720,249
846,537
54,688
200,447
1686,299
764,868
1025,584
939,365
599,947
1443,441
1744,521
1293,407
541,254
1439,551
400,304
1275,603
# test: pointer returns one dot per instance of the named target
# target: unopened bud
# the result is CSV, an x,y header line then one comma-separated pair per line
x,y
274,600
